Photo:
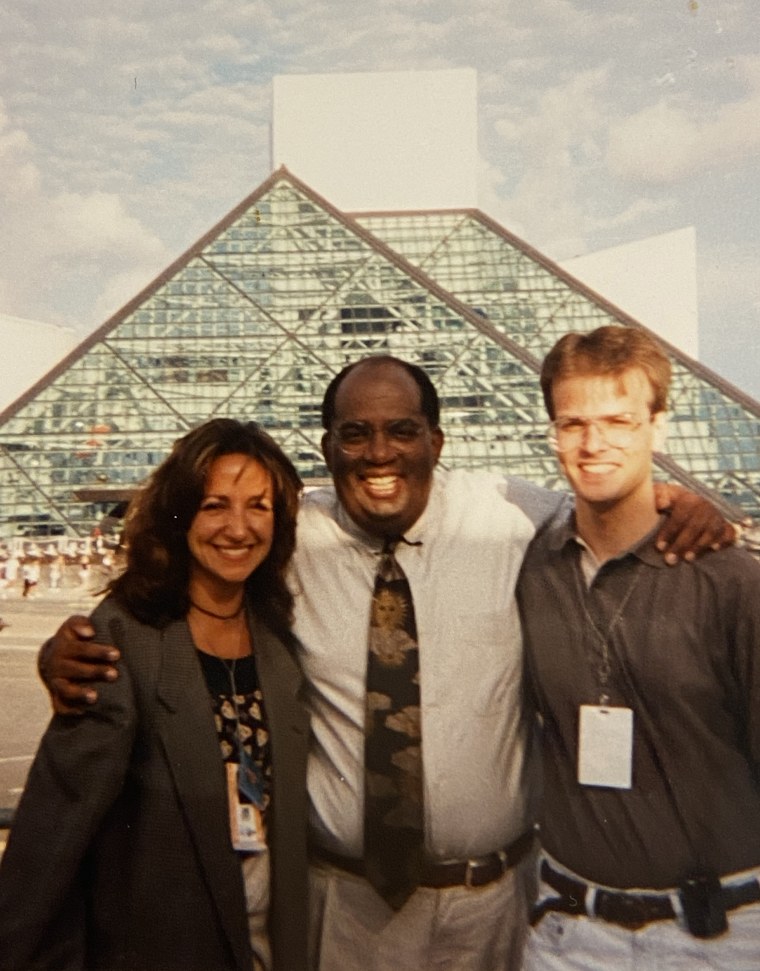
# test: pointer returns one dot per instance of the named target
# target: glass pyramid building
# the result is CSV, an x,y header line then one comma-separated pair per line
x,y
257,316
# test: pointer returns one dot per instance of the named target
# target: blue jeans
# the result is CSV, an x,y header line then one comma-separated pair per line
x,y
562,942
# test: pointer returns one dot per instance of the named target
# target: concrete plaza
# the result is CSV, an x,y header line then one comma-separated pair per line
x,y
25,710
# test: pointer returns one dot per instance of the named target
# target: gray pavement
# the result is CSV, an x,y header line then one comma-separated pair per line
x,y
24,709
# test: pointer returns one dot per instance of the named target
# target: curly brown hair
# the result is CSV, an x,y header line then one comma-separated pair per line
x,y
154,585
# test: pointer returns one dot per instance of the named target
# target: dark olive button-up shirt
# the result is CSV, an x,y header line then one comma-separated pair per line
x,y
684,655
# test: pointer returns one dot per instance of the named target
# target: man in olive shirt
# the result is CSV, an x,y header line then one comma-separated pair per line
x,y
647,680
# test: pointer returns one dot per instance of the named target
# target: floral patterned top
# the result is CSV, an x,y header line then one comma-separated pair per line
x,y
239,712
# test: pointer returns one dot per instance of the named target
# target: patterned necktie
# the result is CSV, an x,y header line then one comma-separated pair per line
x,y
393,819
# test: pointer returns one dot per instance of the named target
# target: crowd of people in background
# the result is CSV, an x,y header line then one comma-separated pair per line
x,y
31,566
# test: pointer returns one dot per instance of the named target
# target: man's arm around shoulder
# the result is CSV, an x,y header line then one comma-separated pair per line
x,y
71,663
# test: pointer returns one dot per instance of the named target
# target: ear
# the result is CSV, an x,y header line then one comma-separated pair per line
x,y
660,426
325,445
437,440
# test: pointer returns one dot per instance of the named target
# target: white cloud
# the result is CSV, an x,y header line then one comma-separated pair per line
x,y
111,179
543,155
56,239
640,209
667,141
89,225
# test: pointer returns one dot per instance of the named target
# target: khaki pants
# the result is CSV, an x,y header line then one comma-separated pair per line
x,y
455,929
256,880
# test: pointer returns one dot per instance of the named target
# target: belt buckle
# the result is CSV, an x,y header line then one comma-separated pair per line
x,y
470,867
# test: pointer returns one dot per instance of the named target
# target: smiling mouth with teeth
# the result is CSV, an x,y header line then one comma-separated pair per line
x,y
381,485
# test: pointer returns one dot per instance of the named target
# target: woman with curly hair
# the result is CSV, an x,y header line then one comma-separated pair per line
x,y
165,829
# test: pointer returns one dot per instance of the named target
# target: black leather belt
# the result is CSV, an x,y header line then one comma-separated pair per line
x,y
631,910
476,872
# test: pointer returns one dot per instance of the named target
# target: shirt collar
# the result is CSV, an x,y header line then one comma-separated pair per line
x,y
563,532
424,525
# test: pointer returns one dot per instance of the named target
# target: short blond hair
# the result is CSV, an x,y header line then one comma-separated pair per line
x,y
607,351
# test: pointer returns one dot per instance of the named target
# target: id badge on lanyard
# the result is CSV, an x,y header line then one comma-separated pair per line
x,y
605,746
246,820
605,731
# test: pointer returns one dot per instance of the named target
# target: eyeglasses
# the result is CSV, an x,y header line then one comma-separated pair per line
x,y
618,431
354,437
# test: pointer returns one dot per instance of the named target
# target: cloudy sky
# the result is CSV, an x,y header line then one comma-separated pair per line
x,y
127,130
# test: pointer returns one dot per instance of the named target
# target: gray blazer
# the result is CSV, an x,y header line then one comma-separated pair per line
x,y
119,856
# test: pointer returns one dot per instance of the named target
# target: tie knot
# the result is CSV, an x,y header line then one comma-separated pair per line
x,y
389,545
388,567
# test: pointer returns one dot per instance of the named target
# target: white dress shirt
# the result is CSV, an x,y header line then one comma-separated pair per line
x,y
475,733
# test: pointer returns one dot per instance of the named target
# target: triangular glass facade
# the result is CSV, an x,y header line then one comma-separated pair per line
x,y
714,430
254,320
